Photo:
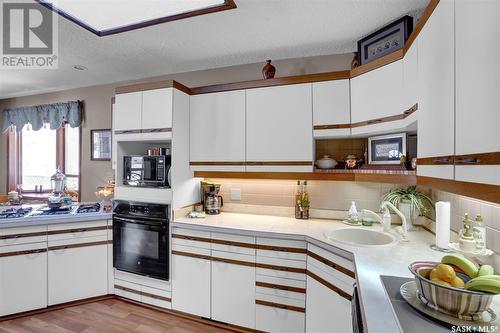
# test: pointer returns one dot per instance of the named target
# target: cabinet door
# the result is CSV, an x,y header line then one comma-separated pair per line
x,y
128,111
377,94
217,130
410,77
77,273
436,129
277,320
477,87
331,106
326,311
279,128
23,278
233,294
191,285
157,109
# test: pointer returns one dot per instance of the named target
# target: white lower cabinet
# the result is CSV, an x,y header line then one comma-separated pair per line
x,y
191,284
77,272
233,294
326,311
23,278
277,320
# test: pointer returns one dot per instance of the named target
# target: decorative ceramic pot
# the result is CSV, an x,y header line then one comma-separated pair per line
x,y
326,162
268,70
351,161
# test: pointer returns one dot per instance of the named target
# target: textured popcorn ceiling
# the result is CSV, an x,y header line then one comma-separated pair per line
x,y
255,31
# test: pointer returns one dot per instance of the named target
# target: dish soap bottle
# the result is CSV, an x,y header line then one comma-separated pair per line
x,y
353,214
467,242
479,232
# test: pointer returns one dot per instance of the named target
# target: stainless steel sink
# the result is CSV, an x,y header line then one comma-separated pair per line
x,y
363,237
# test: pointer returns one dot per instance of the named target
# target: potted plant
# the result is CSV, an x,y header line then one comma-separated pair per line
x,y
410,202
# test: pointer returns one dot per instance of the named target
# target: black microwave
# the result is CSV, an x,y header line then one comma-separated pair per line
x,y
147,171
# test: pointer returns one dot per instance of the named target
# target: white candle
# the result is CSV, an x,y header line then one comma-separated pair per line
x,y
442,224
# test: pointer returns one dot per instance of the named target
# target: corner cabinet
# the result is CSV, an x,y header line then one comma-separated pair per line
x,y
436,75
279,128
331,109
477,70
217,131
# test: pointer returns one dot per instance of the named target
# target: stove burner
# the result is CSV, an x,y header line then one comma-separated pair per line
x,y
89,208
13,213
53,211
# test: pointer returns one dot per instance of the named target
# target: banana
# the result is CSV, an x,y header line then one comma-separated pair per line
x,y
485,285
486,277
461,262
486,270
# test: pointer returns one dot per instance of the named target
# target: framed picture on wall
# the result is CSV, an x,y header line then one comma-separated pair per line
x,y
100,145
386,149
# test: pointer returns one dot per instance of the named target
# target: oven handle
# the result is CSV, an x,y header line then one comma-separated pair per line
x,y
143,222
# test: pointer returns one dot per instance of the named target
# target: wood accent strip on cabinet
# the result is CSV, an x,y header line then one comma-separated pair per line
x,y
331,264
28,234
22,253
69,231
377,63
420,24
401,116
77,245
151,86
157,130
233,243
142,293
191,255
281,268
234,262
192,238
132,131
280,248
386,178
328,76
484,192
280,287
280,306
216,163
279,163
335,126
436,160
330,286
478,159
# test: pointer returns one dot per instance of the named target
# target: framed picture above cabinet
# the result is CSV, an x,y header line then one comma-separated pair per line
x,y
100,145
386,40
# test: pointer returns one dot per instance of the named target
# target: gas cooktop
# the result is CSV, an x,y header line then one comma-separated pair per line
x,y
45,210
14,212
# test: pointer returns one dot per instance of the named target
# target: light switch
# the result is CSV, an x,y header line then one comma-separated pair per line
x,y
235,194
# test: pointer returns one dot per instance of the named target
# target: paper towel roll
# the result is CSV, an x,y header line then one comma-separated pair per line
x,y
442,224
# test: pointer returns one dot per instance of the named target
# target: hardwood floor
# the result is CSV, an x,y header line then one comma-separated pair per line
x,y
107,316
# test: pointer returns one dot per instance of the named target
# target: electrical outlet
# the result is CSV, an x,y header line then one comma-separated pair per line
x,y
235,194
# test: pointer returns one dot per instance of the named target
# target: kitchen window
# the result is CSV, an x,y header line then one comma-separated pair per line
x,y
34,157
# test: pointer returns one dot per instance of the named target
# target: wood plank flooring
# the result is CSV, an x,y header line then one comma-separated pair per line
x,y
107,316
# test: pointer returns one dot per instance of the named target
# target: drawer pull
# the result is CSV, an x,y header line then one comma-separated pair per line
x,y
470,160
35,251
374,121
79,230
280,306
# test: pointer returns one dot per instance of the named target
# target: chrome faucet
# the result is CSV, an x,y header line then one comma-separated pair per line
x,y
385,220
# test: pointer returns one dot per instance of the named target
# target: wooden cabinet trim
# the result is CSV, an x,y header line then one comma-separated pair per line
x,y
191,255
420,24
377,63
280,306
492,158
280,287
330,286
152,86
144,130
334,126
218,163
21,253
281,268
436,160
142,293
397,117
331,264
192,238
234,262
70,231
484,192
280,248
77,245
28,234
232,243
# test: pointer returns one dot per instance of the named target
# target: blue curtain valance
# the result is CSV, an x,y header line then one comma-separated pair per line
x,y
54,114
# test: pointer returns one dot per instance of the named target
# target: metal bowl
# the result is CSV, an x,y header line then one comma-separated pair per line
x,y
461,303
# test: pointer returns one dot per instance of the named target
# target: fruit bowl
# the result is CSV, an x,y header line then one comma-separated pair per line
x,y
461,303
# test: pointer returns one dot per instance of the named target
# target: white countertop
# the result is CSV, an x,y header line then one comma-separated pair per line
x,y
370,262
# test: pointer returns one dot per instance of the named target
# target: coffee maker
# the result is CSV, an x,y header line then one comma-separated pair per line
x,y
210,198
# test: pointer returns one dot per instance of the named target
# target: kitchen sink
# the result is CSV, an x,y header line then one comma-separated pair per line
x,y
361,237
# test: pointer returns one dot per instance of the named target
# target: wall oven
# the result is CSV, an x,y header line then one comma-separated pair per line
x,y
141,238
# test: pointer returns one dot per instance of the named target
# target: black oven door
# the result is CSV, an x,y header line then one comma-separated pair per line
x,y
140,246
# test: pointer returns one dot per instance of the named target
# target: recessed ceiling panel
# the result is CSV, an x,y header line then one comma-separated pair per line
x,y
106,17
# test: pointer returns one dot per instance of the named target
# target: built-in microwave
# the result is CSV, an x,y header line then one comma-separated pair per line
x,y
146,171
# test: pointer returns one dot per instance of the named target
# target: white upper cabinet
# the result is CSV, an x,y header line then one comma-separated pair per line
x,y
436,76
217,130
128,111
279,128
477,38
377,94
331,106
157,109
410,77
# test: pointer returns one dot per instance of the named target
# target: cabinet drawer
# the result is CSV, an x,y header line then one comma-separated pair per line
x,y
194,238
127,290
77,230
282,268
277,320
189,251
31,249
342,287
281,281
281,248
60,244
23,235
143,280
280,301
281,291
233,243
313,264
342,259
233,258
